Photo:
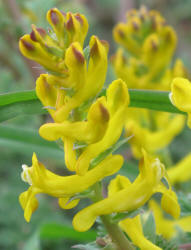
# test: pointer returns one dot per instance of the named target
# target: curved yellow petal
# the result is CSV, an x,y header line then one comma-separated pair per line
x,y
181,172
181,96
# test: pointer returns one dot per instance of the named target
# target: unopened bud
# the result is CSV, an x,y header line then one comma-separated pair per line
x,y
135,25
70,23
79,18
154,45
79,56
54,17
27,45
121,33
33,36
94,49
104,112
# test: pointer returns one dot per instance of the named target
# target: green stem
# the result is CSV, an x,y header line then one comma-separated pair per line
x,y
116,234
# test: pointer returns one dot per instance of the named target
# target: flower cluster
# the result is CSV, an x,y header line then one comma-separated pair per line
x,y
88,123
147,47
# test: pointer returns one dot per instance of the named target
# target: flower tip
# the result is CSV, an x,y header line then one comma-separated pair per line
x,y
94,49
78,55
27,45
33,36
105,44
104,112
53,16
70,23
79,18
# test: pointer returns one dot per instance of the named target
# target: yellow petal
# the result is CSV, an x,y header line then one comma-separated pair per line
x,y
136,195
133,228
65,203
116,89
29,203
181,172
169,203
181,96
89,131
94,81
164,226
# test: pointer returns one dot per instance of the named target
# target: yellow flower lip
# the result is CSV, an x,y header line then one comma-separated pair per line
x,y
181,95
42,180
136,194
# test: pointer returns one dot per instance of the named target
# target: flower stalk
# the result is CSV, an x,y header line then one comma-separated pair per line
x,y
118,237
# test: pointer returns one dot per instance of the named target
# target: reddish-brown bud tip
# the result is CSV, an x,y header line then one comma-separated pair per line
x,y
33,36
104,112
121,33
94,49
104,43
63,13
78,55
153,23
135,26
70,23
79,18
54,17
27,45
41,31
154,45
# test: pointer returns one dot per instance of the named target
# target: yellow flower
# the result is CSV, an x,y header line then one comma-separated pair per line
x,y
42,180
116,103
80,84
180,96
131,226
133,196
180,172
88,80
48,51
151,45
151,130
166,227
89,131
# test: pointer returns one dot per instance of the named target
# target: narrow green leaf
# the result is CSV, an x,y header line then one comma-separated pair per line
x,y
19,103
149,228
26,102
122,216
150,99
109,151
57,231
33,243
28,141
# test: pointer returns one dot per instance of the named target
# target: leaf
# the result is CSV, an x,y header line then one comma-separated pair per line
x,y
33,243
154,100
26,102
90,246
57,231
28,141
108,151
19,103
149,228
122,216
185,204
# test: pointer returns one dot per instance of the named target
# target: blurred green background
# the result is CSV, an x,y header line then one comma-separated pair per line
x,y
50,227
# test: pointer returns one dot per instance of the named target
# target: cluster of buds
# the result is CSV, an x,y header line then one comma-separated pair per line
x,y
143,62
69,91
148,45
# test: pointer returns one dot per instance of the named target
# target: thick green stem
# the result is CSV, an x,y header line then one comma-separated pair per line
x,y
118,237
